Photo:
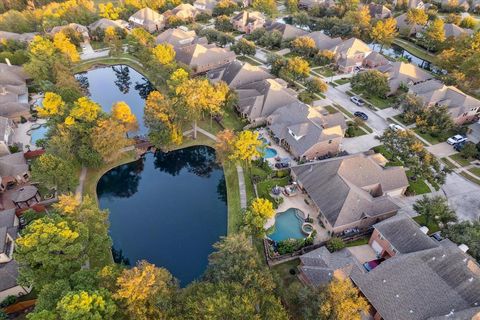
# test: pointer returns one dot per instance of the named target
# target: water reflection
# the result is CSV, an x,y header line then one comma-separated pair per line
x,y
199,161
123,81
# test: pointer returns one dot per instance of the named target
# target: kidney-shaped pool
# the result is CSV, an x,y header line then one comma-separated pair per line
x,y
167,208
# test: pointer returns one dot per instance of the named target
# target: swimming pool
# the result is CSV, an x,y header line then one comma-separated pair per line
x,y
269,153
287,225
37,133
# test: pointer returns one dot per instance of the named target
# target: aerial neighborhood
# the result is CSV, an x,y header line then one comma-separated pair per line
x,y
255,159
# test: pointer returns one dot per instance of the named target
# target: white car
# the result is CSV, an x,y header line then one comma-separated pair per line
x,y
396,127
456,139
357,100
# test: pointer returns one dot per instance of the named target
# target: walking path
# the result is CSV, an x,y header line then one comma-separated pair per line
x,y
241,185
79,190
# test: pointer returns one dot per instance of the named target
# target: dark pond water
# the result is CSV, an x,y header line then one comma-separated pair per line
x,y
167,208
108,85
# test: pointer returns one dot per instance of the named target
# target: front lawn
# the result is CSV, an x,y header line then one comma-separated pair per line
x,y
342,81
330,109
469,177
432,226
402,120
475,171
379,102
457,157
326,71
416,187
354,131
434,139
449,164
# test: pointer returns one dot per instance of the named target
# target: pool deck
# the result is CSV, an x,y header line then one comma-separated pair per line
x,y
281,152
21,136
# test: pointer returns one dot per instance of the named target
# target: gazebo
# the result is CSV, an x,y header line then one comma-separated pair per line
x,y
26,197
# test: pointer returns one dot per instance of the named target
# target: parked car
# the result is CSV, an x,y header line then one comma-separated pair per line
x,y
459,146
357,100
361,115
281,165
437,236
396,127
456,139
370,265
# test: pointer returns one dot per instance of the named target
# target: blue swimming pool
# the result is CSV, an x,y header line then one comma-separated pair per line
x,y
38,133
269,153
287,225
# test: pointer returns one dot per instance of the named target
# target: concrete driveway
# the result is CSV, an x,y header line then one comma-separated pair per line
x,y
360,144
374,121
441,150
463,196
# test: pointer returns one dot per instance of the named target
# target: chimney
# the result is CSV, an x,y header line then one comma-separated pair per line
x,y
8,62
424,229
463,247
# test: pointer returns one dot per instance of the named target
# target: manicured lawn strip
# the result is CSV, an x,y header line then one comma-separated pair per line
x,y
414,49
418,186
264,187
326,71
342,81
434,139
247,173
359,242
475,171
381,103
457,157
357,132
346,112
449,163
469,177
330,109
233,197
432,226
249,60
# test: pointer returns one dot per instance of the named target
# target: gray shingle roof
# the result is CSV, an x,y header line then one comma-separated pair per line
x,y
8,275
13,164
404,234
342,188
423,284
201,56
237,73
288,31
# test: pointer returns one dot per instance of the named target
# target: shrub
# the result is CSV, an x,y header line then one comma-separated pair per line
x,y
290,245
9,300
335,244
282,173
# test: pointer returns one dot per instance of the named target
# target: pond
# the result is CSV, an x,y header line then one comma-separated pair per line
x,y
107,85
167,208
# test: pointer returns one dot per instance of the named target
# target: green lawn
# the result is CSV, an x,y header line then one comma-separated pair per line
x,y
432,226
469,177
416,187
358,242
457,157
330,109
357,131
342,81
449,163
401,119
286,284
233,197
414,49
434,139
264,187
379,102
326,71
475,171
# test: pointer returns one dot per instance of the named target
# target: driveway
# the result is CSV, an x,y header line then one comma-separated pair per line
x,y
441,150
474,136
374,121
360,144
463,196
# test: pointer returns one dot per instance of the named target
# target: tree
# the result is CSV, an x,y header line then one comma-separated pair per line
x,y
63,44
416,16
342,301
83,305
269,7
164,53
335,244
361,21
224,145
112,40
225,7
316,85
466,232
271,40
259,211
108,139
291,5
52,106
122,113
55,172
246,147
469,151
146,291
435,120
304,46
244,47
223,23
468,23
109,11
324,57
51,248
41,53
347,5
372,82
85,110
453,18
301,18
296,69
435,208
384,32
434,34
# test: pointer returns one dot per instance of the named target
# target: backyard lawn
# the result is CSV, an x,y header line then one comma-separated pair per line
x,y
432,226
233,197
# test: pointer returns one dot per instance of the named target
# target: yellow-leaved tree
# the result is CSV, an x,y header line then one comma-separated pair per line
x,y
64,45
164,53
67,203
108,139
342,301
52,105
146,291
109,11
85,109
259,211
86,305
224,145
247,147
123,114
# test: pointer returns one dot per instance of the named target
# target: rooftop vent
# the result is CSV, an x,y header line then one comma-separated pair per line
x,y
424,229
463,247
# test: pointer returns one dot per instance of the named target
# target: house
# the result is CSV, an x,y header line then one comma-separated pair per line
x,y
375,60
308,4
462,107
352,191
9,286
453,31
399,235
184,11
13,92
416,4
403,74
204,57
6,135
237,73
324,42
442,282
305,132
13,168
246,21
318,267
147,19
379,11
81,29
104,23
20,37
258,100
287,31
180,37
406,28
350,54
460,4
205,6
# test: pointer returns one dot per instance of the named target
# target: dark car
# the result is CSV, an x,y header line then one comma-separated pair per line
x,y
281,165
361,115
459,146
370,265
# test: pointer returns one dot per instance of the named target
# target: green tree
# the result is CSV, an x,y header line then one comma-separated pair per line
x,y
469,151
347,5
271,40
316,85
223,23
360,20
384,32
342,301
335,244
225,7
466,232
434,34
435,121
291,5
244,47
435,209
296,68
301,18
55,172
304,46
51,248
268,7
372,82
258,213
83,305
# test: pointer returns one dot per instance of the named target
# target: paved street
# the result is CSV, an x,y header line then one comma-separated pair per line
x,y
463,196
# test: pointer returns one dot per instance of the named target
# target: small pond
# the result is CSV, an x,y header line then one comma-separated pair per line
x,y
288,225
108,85
167,208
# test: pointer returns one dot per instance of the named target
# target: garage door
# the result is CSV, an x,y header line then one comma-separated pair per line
x,y
376,247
